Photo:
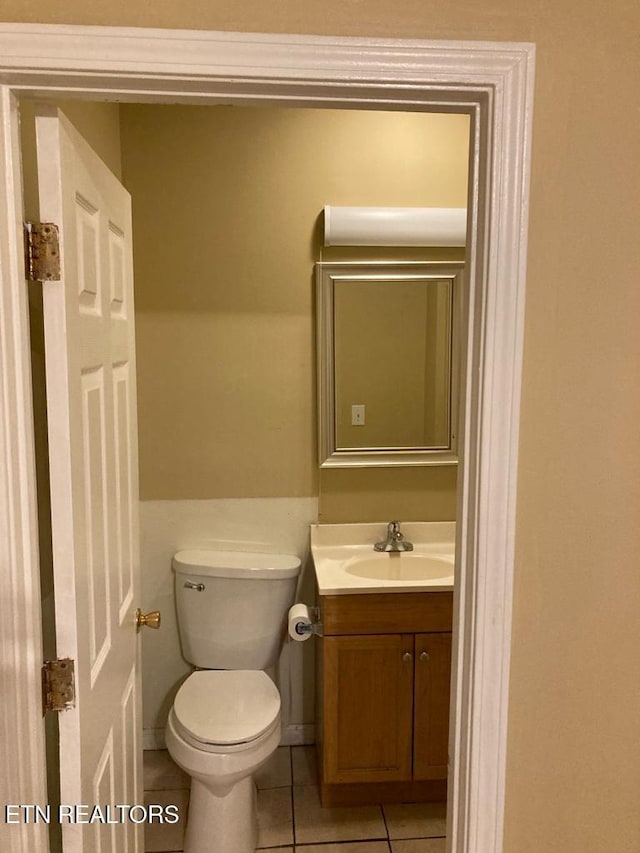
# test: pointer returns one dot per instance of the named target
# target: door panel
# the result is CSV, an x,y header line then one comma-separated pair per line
x,y
431,706
367,711
91,408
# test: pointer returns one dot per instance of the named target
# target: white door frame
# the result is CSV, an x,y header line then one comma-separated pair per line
x,y
493,82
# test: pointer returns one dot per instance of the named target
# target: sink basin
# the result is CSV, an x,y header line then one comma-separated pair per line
x,y
401,567
345,562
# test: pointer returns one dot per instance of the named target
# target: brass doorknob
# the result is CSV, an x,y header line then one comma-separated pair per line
x,y
151,620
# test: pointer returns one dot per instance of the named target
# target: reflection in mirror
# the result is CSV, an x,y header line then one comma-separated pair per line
x,y
392,344
388,363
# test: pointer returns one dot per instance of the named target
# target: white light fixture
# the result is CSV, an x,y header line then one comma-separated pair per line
x,y
395,226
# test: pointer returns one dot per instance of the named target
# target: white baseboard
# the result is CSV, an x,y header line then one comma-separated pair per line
x,y
298,735
153,739
293,735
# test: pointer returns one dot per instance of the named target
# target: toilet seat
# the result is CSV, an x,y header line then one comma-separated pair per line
x,y
222,710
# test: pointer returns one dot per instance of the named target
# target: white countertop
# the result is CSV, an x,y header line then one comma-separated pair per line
x,y
346,563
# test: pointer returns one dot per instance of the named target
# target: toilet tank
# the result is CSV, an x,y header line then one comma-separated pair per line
x,y
232,606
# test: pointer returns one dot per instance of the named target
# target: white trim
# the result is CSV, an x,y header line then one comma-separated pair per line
x,y
491,81
22,779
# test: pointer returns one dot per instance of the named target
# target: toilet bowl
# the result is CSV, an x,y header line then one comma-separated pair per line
x,y
223,726
225,720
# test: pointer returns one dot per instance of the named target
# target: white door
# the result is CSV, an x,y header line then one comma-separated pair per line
x,y
91,405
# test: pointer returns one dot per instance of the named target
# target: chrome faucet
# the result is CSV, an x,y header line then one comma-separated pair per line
x,y
395,541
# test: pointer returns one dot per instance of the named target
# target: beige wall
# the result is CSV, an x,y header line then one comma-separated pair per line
x,y
574,746
227,225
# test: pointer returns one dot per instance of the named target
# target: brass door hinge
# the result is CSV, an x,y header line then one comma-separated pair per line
x,y
58,685
42,251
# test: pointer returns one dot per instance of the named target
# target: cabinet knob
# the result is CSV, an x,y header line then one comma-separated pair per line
x,y
424,656
407,656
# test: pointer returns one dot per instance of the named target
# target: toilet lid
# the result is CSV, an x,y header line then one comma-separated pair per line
x,y
226,706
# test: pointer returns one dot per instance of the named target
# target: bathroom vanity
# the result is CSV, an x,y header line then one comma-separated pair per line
x,y
384,663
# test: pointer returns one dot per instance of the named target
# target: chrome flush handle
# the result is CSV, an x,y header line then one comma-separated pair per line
x,y
191,585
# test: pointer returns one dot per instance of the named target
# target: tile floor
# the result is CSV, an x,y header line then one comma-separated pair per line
x,y
290,817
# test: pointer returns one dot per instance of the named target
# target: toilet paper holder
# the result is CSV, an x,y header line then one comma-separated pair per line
x,y
304,621
316,625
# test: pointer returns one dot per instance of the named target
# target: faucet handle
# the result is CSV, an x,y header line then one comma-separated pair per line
x,y
395,541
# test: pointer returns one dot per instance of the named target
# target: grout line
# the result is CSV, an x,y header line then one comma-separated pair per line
x,y
300,848
386,826
293,809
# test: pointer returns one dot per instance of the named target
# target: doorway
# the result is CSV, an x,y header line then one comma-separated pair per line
x,y
227,208
498,219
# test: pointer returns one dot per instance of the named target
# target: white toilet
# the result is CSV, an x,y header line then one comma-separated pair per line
x,y
225,719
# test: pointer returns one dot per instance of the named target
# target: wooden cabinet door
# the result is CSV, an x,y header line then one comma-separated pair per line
x,y
431,706
368,695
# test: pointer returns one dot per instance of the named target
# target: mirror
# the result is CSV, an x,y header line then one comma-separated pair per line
x,y
388,362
